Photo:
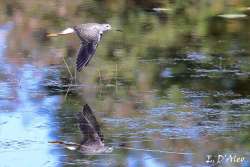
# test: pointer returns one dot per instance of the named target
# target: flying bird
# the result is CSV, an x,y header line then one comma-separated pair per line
x,y
90,35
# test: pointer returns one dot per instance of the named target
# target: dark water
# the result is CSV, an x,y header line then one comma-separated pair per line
x,y
171,89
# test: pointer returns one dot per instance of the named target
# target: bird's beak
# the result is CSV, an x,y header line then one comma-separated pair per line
x,y
118,30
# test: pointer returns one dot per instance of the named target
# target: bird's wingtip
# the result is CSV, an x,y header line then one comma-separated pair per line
x,y
79,69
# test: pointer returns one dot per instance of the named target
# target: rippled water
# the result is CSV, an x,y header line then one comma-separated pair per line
x,y
171,89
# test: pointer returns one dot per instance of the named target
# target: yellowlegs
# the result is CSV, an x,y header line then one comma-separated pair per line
x,y
93,141
90,35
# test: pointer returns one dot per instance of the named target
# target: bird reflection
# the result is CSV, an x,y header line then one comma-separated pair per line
x,y
93,140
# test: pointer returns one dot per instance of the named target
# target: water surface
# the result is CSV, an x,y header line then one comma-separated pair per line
x,y
171,89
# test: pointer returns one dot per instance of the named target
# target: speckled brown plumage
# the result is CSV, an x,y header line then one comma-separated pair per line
x,y
90,35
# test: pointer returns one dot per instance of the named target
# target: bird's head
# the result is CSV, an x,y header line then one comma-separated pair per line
x,y
106,27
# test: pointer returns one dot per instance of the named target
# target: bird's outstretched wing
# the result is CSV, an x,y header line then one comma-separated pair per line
x,y
89,40
89,126
84,55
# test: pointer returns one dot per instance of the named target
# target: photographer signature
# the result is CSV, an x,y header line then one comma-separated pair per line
x,y
229,158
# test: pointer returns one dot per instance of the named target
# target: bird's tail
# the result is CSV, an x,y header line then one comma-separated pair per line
x,y
70,146
64,32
